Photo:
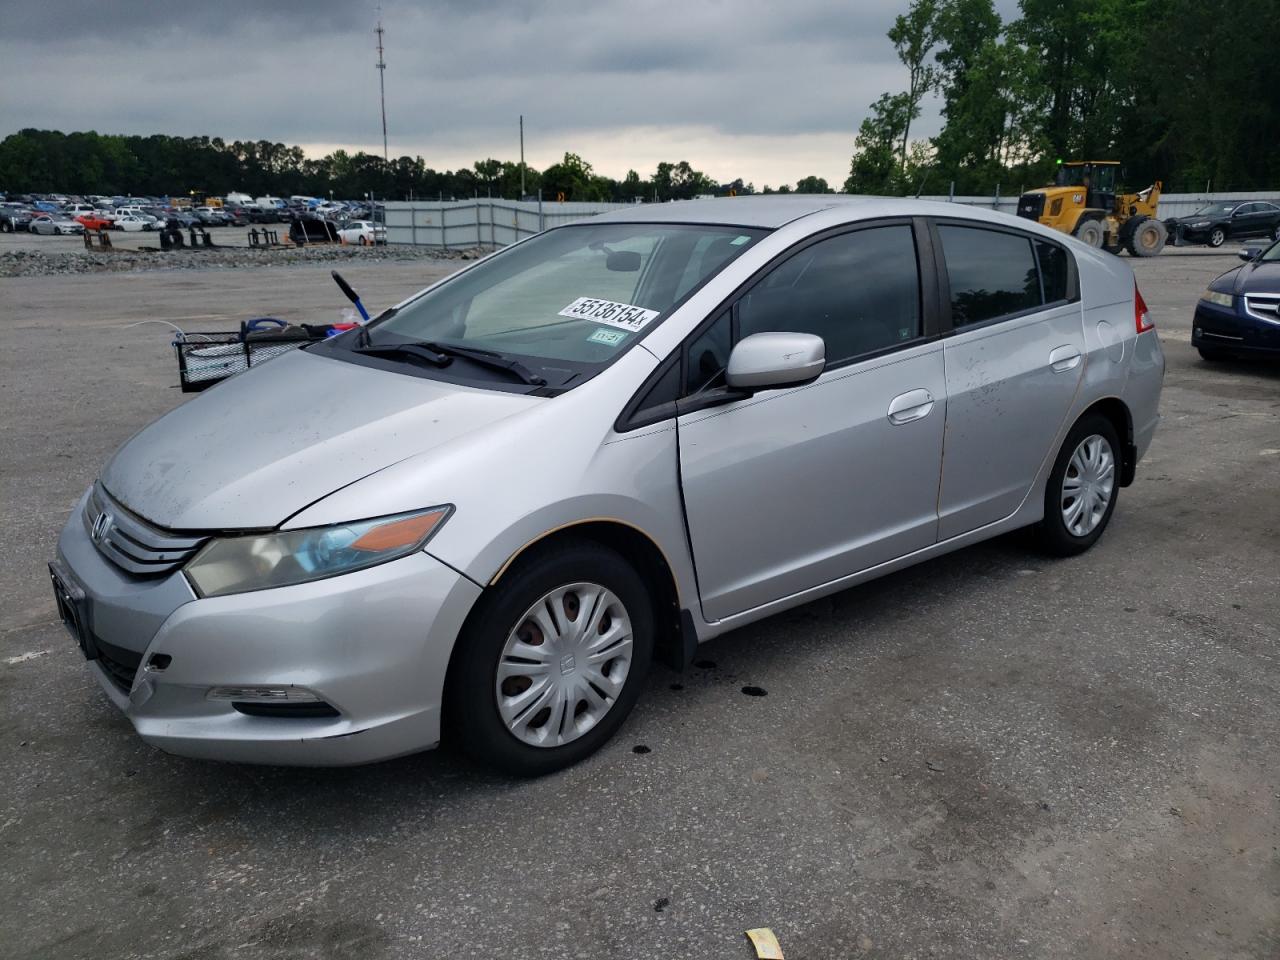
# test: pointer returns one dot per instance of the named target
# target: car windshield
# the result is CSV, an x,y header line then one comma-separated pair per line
x,y
1215,210
577,295
1271,254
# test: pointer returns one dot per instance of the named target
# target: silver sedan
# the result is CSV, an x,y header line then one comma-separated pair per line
x,y
52,226
487,512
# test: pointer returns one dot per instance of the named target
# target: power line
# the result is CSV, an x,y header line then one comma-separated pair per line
x,y
382,89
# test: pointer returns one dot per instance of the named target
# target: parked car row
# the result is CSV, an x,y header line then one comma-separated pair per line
x,y
17,212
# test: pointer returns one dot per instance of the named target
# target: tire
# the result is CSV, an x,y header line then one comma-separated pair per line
x,y
1212,355
1056,536
363,240
1090,232
1275,233
1147,238
1217,237
532,738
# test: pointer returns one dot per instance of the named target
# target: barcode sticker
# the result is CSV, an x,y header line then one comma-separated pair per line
x,y
624,316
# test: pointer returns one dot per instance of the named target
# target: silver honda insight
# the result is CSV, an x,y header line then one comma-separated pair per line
x,y
480,517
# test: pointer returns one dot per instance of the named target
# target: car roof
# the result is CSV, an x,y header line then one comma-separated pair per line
x,y
770,211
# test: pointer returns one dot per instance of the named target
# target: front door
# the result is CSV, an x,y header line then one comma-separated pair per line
x,y
797,487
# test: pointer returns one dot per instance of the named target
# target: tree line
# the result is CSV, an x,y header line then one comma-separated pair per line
x,y
48,161
1183,91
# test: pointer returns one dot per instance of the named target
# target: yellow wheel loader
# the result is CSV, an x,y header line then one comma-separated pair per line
x,y
1084,203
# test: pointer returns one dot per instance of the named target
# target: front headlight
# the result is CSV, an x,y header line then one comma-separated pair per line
x,y
261,561
1221,299
1200,223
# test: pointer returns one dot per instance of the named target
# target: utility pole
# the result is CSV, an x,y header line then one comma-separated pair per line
x,y
382,89
522,156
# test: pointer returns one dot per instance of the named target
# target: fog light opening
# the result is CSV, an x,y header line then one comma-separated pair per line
x,y
264,694
158,662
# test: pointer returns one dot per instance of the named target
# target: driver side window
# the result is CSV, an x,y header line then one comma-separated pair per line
x,y
859,291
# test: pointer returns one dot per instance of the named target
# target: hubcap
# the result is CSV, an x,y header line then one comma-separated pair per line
x,y
564,665
1088,485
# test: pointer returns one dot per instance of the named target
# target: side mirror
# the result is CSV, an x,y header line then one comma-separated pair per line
x,y
1251,252
766,360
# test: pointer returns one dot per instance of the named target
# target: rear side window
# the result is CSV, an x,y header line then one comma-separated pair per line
x,y
859,291
991,274
1053,270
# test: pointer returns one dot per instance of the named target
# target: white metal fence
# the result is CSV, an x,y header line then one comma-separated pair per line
x,y
495,223
481,222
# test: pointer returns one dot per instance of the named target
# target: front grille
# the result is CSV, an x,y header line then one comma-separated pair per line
x,y
1031,206
131,543
121,665
1263,306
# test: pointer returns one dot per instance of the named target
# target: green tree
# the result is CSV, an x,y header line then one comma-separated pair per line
x,y
913,35
812,185
874,168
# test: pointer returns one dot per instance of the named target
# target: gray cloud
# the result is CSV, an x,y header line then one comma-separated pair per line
x,y
585,74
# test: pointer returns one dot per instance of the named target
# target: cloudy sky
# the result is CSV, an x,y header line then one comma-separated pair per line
x,y
757,89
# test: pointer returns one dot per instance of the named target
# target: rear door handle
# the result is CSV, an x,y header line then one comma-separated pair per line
x,y
913,405
1064,358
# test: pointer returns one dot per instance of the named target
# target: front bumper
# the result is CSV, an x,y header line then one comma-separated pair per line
x,y
1233,330
374,644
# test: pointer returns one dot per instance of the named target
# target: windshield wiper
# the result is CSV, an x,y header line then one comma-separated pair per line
x,y
488,358
419,351
442,354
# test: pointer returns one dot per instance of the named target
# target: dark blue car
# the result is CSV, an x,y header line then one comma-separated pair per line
x,y
1240,312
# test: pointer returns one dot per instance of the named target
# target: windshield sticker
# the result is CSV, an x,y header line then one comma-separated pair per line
x,y
609,338
624,316
738,241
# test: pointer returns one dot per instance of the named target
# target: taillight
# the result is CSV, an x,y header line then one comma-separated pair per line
x,y
1141,316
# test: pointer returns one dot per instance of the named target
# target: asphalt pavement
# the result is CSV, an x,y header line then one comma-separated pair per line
x,y
993,754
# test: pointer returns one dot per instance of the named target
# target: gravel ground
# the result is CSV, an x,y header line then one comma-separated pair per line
x,y
989,755
32,255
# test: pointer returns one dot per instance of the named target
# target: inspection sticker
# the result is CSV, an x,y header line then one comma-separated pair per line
x,y
608,337
624,316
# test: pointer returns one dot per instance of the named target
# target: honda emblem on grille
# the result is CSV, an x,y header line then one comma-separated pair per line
x,y
101,524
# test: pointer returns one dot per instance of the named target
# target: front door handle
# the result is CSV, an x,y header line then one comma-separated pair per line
x,y
1062,359
913,405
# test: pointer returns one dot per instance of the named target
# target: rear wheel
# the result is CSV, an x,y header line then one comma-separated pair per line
x,y
1082,489
1217,237
552,661
1275,232
1090,232
1148,238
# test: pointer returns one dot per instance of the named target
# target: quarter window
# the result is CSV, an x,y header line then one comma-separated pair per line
x,y
991,274
1053,270
859,291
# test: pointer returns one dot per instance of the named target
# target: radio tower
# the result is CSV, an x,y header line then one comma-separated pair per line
x,y
382,89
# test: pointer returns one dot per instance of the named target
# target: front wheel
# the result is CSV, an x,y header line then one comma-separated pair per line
x,y
1212,355
1217,237
1082,490
552,660
1090,232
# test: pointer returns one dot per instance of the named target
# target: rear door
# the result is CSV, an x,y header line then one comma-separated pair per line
x,y
1014,362
797,487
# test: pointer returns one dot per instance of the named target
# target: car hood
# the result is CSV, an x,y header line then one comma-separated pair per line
x,y
250,453
1251,278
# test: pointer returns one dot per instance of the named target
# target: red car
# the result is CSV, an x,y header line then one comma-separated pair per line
x,y
93,221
